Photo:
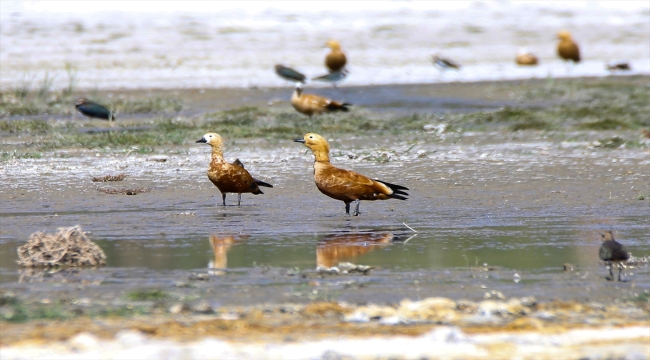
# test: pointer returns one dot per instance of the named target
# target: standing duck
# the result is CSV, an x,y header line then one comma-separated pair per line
x,y
227,177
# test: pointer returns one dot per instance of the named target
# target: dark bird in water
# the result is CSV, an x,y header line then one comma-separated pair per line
x,y
227,177
567,49
444,64
335,60
612,251
310,104
334,77
290,74
92,109
345,185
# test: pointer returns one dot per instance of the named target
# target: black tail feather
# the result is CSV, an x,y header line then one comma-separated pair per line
x,y
262,183
397,190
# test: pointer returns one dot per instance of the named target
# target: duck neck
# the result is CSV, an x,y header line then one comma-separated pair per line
x,y
321,156
217,154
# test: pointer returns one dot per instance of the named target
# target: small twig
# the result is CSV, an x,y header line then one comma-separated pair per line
x,y
409,227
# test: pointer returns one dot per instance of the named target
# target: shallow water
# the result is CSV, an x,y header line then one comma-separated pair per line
x,y
524,207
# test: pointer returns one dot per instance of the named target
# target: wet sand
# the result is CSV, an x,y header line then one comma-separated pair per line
x,y
497,216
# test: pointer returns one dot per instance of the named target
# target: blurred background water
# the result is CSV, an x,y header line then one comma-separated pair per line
x,y
140,44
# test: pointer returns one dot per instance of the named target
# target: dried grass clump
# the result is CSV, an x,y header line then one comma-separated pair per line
x,y
106,178
134,191
69,247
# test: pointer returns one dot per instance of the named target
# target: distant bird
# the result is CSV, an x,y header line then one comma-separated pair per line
x,y
567,49
227,177
345,185
92,109
290,74
335,60
525,58
620,65
611,251
310,104
334,77
444,64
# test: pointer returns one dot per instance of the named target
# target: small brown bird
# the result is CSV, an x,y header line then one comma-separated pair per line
x,y
345,185
525,58
310,104
567,49
335,60
611,251
227,177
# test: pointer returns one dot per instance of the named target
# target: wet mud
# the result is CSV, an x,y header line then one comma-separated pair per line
x,y
491,215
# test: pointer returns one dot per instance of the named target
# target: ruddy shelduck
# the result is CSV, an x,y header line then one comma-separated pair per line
x,y
310,104
612,251
335,59
567,49
526,58
345,185
227,177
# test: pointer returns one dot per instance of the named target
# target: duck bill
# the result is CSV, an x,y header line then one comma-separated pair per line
x,y
299,140
202,140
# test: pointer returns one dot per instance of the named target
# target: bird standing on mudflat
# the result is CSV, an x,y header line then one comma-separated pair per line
x,y
444,64
612,251
290,74
345,185
92,109
335,59
567,49
334,77
227,177
310,104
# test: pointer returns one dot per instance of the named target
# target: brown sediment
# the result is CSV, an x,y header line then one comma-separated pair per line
x,y
322,320
127,191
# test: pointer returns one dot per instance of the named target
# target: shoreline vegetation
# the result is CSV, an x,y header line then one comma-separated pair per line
x,y
156,119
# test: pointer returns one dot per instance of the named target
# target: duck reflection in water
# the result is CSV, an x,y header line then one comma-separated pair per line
x,y
339,247
220,245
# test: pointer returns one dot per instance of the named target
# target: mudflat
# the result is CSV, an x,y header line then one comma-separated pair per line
x,y
510,184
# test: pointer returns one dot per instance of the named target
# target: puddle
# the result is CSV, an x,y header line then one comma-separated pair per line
x,y
489,217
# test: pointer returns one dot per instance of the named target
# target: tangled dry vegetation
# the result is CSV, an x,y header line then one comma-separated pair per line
x,y
69,247
106,178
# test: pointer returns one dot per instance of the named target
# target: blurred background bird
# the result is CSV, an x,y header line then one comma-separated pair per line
x,y
289,74
618,65
92,109
444,64
334,77
310,104
335,60
612,251
526,58
567,49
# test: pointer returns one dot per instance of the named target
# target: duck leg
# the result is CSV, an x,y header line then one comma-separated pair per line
x,y
223,199
347,209
611,274
620,268
357,202
238,199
